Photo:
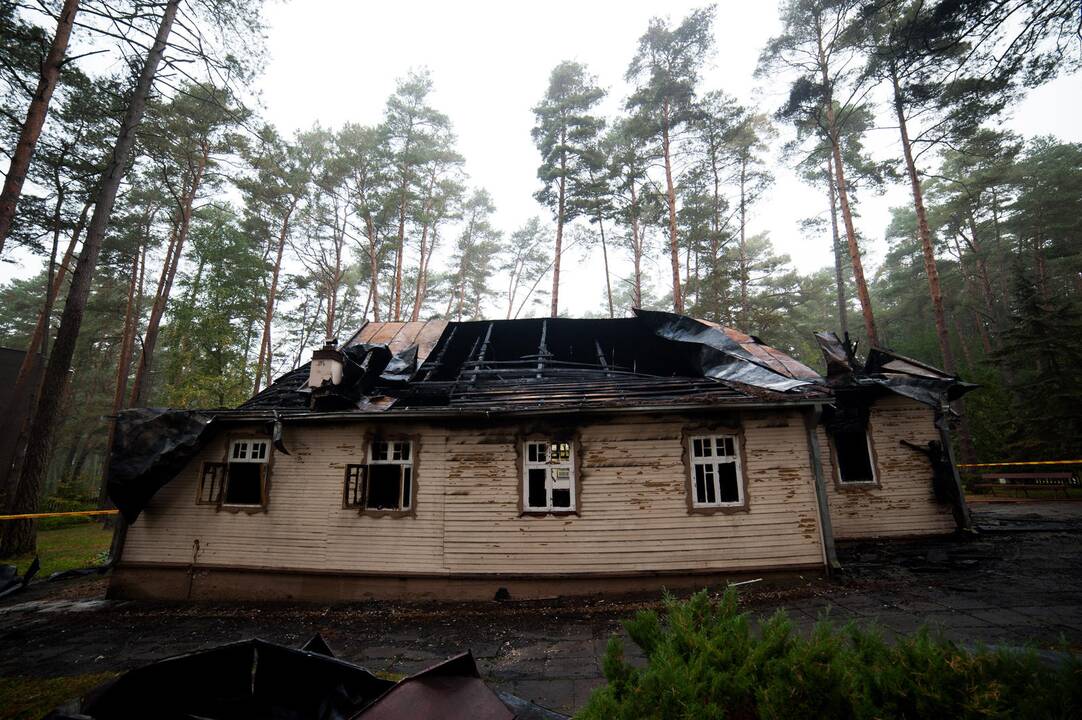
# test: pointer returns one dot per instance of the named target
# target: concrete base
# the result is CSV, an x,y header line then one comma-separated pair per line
x,y
175,582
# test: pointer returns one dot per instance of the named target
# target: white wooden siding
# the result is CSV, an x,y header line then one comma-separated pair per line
x,y
903,502
633,507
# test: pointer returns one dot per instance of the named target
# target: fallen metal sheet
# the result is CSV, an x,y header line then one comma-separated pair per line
x,y
247,679
720,356
258,679
150,446
451,690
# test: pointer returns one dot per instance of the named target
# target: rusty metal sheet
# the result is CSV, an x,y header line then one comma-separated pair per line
x,y
367,333
428,337
406,336
385,334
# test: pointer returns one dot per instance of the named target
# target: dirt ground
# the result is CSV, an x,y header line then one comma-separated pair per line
x,y
1018,583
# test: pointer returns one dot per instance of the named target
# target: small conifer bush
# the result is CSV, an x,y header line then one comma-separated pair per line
x,y
704,661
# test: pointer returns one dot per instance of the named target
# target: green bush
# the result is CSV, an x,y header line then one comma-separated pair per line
x,y
704,661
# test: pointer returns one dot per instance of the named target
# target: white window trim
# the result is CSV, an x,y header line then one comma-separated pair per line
x,y
871,463
715,461
405,499
249,444
549,465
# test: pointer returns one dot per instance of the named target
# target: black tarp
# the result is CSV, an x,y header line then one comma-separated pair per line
x,y
150,446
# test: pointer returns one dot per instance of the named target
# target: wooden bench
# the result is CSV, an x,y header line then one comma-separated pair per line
x,y
1027,481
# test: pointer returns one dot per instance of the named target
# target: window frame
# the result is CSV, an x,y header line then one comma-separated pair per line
x,y
363,476
571,464
266,462
219,471
873,461
740,460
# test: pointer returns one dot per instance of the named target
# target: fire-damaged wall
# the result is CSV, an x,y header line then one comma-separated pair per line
x,y
466,526
902,501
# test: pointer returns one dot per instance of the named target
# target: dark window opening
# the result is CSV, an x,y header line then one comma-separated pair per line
x,y
728,483
384,486
854,456
245,485
536,495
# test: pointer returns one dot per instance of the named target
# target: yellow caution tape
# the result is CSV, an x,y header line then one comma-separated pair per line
x,y
1034,462
33,516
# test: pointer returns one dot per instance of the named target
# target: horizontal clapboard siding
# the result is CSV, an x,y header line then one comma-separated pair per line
x,y
904,502
633,507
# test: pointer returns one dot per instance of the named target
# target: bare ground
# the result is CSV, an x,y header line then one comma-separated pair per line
x,y
1019,583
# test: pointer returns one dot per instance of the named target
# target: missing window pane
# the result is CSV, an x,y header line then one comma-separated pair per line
x,y
854,457
407,486
245,485
535,492
561,498
728,483
700,484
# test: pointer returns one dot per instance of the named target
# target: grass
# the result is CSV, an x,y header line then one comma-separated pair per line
x,y
68,548
29,698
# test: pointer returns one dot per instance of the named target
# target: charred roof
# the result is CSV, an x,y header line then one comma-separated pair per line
x,y
654,358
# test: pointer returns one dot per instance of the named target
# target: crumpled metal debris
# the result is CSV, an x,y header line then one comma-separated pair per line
x,y
11,583
890,371
259,679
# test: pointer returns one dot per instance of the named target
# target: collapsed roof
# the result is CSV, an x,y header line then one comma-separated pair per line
x,y
885,370
654,358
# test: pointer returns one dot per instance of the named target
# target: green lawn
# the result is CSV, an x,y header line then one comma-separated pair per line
x,y
76,546
27,698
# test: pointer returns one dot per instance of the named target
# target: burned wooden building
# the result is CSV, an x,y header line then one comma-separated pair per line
x,y
531,457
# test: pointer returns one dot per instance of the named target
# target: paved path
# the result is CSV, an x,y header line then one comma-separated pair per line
x,y
1014,585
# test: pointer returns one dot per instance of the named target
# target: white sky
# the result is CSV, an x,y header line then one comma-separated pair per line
x,y
334,61
338,61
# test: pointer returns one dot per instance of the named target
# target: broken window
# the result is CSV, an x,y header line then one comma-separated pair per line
x,y
549,478
386,481
715,471
246,473
853,452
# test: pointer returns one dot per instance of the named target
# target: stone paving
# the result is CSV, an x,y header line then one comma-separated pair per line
x,y
1018,584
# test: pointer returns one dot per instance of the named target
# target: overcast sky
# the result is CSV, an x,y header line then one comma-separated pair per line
x,y
337,61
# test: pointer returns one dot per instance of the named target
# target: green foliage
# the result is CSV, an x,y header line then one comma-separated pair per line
x,y
705,660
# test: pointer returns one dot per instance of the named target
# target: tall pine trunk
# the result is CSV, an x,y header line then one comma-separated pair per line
x,y
272,294
127,343
396,293
670,200
561,208
636,249
834,133
140,392
35,118
924,233
18,535
373,265
839,274
745,274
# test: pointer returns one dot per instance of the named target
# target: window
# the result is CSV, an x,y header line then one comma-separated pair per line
x,y
853,451
210,483
246,476
715,471
549,477
386,482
